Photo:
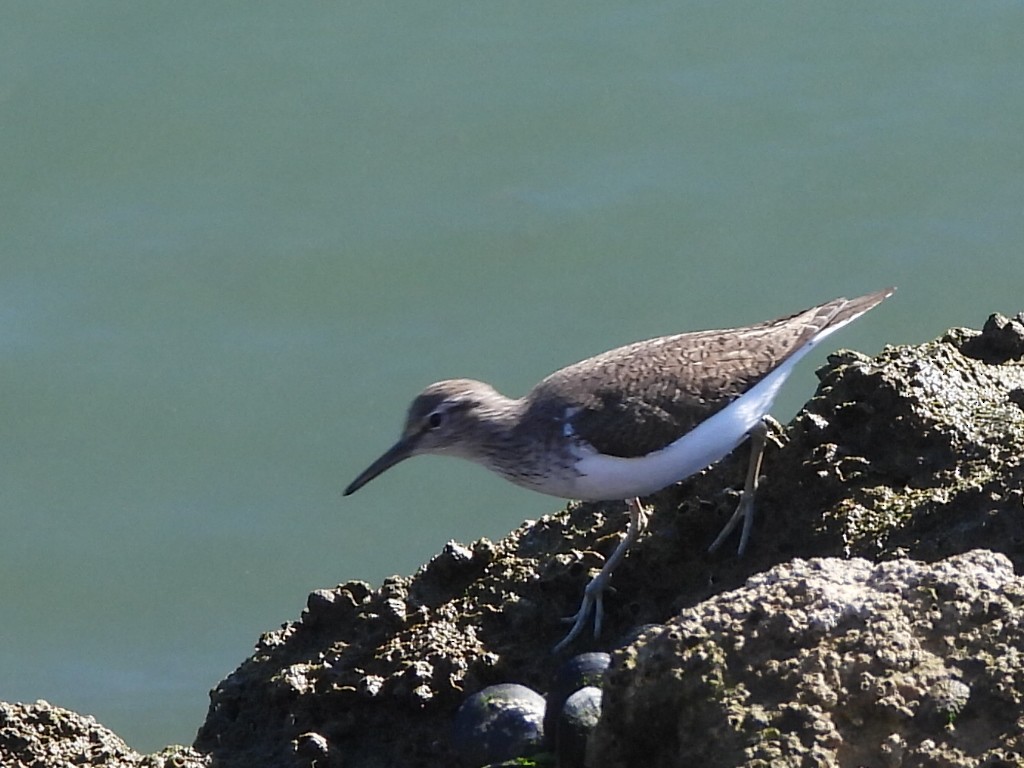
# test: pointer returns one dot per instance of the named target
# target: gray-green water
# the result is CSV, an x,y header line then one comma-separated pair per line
x,y
237,238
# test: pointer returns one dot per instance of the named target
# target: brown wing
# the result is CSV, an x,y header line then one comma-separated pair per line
x,y
641,397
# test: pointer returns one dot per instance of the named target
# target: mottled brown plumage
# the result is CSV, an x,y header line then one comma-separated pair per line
x,y
639,398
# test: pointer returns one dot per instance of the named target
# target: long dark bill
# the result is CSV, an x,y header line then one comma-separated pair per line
x,y
398,452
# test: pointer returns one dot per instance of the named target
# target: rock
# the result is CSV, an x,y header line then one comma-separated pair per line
x,y
821,662
915,452
43,735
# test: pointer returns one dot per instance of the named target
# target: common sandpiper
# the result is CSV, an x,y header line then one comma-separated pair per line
x,y
627,422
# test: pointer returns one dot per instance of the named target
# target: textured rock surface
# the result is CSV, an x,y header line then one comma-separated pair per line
x,y
914,453
830,662
41,735
919,451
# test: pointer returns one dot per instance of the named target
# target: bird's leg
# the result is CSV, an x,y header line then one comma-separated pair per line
x,y
745,509
593,594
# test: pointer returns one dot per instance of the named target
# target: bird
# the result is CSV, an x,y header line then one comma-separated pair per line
x,y
626,423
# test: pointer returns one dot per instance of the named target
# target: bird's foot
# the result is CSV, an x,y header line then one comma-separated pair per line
x,y
745,509
593,600
745,512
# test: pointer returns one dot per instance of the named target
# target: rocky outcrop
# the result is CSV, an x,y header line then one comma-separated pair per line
x,y
829,662
41,735
794,655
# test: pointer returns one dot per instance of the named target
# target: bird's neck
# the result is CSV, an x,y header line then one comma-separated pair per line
x,y
495,419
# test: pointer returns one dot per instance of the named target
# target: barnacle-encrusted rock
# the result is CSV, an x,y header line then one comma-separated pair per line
x,y
42,735
824,662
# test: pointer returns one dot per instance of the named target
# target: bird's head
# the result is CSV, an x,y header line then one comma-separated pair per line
x,y
444,418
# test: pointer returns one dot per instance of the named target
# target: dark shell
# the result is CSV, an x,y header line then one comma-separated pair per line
x,y
499,723
578,718
580,671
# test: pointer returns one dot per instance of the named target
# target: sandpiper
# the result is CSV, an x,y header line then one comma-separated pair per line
x,y
627,422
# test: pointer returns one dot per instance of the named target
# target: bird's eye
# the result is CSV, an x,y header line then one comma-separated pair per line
x,y
434,420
